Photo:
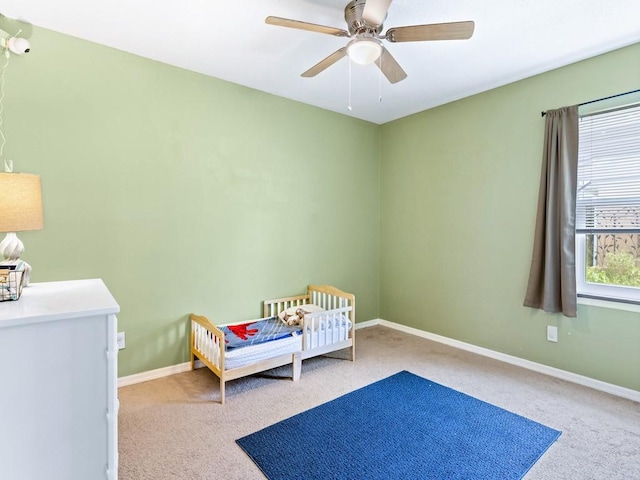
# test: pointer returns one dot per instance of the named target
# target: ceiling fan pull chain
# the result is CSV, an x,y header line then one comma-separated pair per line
x,y
380,79
349,106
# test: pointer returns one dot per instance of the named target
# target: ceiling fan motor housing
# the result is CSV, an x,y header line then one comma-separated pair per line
x,y
353,17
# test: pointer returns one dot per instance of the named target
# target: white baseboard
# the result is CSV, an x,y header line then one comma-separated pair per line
x,y
369,323
520,362
153,374
503,357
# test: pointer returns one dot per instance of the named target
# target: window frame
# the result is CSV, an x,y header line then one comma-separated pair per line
x,y
603,291
616,296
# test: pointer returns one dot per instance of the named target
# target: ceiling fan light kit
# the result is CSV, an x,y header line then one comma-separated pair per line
x,y
365,23
364,51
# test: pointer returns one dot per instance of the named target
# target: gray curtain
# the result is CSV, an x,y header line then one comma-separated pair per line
x,y
552,278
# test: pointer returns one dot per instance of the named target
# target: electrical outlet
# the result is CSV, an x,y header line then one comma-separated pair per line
x,y
552,333
120,340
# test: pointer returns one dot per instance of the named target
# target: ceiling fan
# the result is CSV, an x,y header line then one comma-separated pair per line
x,y
364,20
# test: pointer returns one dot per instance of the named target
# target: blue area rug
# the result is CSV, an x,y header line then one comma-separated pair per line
x,y
401,427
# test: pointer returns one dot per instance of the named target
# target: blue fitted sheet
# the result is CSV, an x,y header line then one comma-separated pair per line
x,y
256,332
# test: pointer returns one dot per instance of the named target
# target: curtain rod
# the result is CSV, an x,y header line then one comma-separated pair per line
x,y
601,99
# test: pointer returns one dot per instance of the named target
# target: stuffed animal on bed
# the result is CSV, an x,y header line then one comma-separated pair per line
x,y
294,315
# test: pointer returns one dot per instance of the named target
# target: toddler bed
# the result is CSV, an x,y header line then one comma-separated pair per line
x,y
293,328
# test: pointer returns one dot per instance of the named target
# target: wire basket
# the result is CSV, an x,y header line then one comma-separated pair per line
x,y
11,282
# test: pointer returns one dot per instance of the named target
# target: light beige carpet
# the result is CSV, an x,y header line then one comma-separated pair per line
x,y
173,428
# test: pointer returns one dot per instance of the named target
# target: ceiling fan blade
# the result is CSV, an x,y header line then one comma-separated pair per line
x,y
391,69
433,31
312,27
15,27
326,63
375,11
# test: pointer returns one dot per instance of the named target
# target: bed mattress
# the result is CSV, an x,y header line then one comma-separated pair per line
x,y
239,357
252,342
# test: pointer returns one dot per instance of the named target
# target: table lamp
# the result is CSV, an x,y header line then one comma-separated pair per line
x,y
20,210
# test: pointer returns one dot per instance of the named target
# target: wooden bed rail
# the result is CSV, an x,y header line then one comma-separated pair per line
x,y
330,297
327,330
330,290
273,307
325,296
206,342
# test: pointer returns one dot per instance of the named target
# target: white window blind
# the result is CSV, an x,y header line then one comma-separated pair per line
x,y
608,196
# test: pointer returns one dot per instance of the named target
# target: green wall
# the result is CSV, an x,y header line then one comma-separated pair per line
x,y
186,193
459,187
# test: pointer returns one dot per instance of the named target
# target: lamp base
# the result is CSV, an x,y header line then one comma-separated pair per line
x,y
11,248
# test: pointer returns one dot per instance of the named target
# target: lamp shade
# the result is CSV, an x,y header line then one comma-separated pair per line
x,y
20,202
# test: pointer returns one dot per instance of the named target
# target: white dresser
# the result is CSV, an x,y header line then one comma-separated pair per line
x,y
58,383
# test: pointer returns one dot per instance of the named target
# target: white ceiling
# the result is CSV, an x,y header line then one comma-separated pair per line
x,y
228,39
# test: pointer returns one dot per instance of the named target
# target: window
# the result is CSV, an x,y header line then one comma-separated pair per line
x,y
608,205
